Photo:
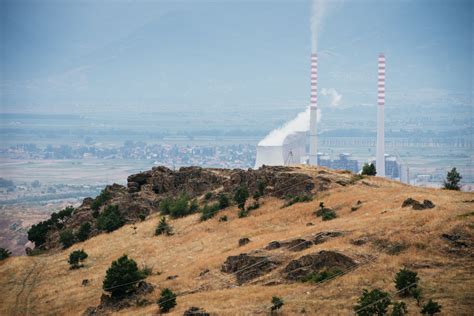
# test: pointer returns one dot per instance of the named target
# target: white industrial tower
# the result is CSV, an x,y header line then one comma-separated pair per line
x,y
313,118
380,158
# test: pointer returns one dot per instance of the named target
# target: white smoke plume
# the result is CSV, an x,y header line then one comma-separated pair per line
x,y
318,10
335,96
299,124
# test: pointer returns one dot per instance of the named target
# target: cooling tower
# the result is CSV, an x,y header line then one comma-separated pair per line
x,y
380,158
289,153
313,119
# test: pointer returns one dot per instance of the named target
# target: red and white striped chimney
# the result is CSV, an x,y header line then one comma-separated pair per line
x,y
380,158
313,119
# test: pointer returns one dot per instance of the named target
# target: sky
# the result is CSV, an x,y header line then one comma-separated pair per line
x,y
85,56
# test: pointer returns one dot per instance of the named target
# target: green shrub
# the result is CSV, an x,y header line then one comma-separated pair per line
x,y
165,206
399,309
255,205
328,215
110,219
431,308
369,170
223,218
261,185
324,212
66,237
4,253
122,277
209,211
452,180
243,213
223,201
100,200
179,207
297,199
38,232
76,257
84,231
416,293
240,196
316,277
208,196
163,228
375,302
405,281
95,213
167,300
277,303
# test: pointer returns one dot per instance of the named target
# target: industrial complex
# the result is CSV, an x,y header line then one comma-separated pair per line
x,y
300,147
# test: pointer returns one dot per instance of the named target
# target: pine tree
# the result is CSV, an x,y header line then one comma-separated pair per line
x,y
167,300
122,277
452,180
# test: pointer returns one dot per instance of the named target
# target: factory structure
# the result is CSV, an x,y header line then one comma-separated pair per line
x,y
301,147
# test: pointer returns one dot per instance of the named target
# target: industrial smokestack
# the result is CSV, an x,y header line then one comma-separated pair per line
x,y
313,118
380,159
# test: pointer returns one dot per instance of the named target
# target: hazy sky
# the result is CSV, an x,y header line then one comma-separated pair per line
x,y
75,56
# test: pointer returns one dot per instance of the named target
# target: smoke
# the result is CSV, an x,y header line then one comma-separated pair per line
x,y
318,10
333,94
299,124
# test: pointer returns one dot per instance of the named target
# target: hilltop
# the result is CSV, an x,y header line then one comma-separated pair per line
x,y
237,266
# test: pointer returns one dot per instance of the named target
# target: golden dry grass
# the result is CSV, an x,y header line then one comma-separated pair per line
x,y
44,285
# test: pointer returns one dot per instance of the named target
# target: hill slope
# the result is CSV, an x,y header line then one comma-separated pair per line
x,y
372,229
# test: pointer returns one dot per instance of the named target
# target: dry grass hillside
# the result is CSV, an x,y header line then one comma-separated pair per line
x,y
378,234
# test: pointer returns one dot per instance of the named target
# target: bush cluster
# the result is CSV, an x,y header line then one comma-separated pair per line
x,y
369,170
209,211
100,200
178,207
76,258
67,238
84,231
163,228
297,199
325,213
110,219
376,302
122,277
4,253
167,300
314,277
38,232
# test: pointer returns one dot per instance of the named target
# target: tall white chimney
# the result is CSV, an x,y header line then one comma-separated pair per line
x,y
380,159
313,118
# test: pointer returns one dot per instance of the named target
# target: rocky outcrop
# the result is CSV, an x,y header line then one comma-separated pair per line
x,y
427,204
110,304
246,267
325,236
298,269
145,191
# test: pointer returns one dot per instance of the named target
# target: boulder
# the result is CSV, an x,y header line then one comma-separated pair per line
x,y
195,311
324,260
243,241
297,244
427,204
247,267
325,236
273,245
